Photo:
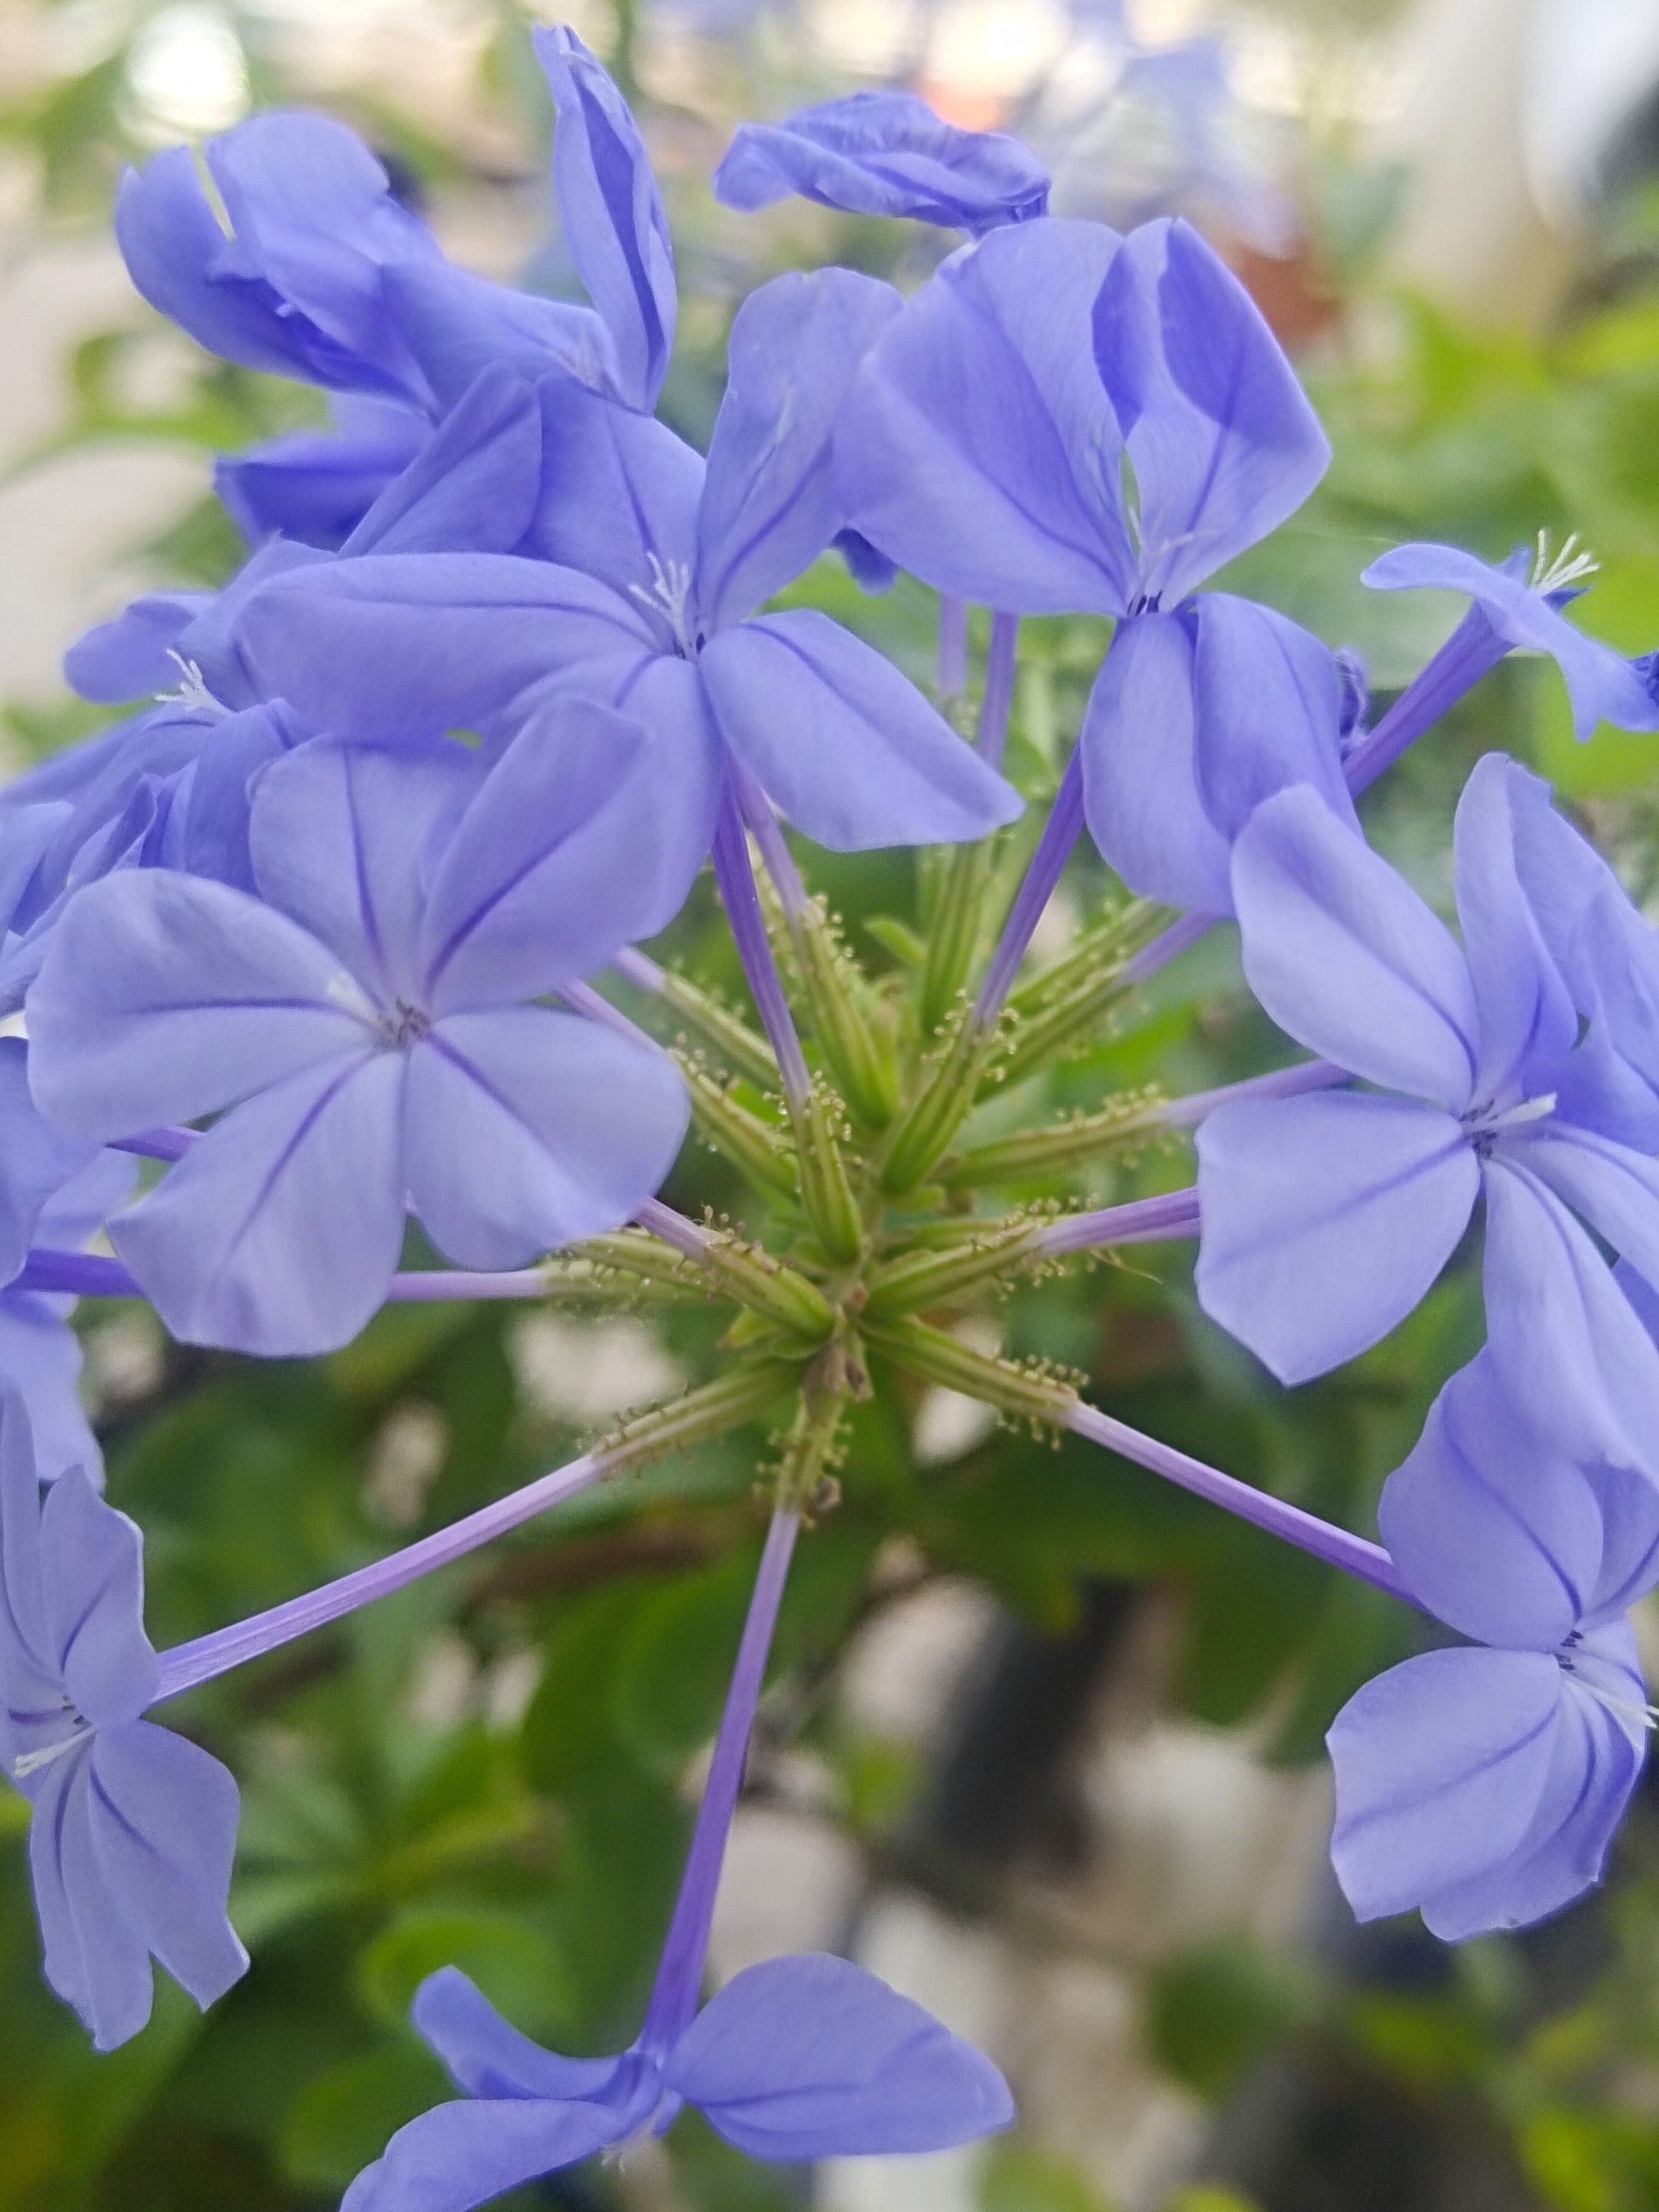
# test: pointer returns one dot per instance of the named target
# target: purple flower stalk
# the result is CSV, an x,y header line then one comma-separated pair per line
x,y
796,2059
736,879
998,689
1060,834
1320,1538
184,1666
952,677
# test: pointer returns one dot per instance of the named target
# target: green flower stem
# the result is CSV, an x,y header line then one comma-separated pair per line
x,y
1133,1119
745,1393
835,993
919,1279
810,1451
953,931
1100,951
1030,1395
922,1134
1025,1394
731,1040
665,1247
857,1057
825,1192
754,1148
1065,1007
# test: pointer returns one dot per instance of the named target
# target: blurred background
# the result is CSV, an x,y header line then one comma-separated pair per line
x,y
1044,1745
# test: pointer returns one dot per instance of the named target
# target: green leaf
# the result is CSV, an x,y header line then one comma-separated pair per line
x,y
513,1961
1018,2177
341,2122
1205,2197
624,1845
1213,2011
566,1735
675,1662
714,2177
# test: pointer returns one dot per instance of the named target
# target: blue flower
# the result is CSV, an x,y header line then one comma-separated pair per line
x,y
171,789
371,1029
885,153
325,277
132,1828
1484,1785
1521,601
56,1191
295,290
1325,1219
314,487
796,2059
983,446
653,565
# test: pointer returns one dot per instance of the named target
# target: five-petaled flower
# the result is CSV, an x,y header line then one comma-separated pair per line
x,y
1484,1785
1327,1219
132,1828
370,1019
795,2059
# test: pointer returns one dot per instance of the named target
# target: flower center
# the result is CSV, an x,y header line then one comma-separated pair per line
x,y
1626,1708
666,595
1571,566
1485,1125
192,693
31,1762
402,1025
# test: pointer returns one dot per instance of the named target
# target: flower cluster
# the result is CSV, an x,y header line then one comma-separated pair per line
x,y
318,928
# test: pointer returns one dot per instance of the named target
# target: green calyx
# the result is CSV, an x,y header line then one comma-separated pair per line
x,y
873,1220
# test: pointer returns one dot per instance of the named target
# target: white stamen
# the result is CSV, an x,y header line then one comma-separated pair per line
x,y
666,594
31,1762
1493,1123
192,693
1570,566
1648,1715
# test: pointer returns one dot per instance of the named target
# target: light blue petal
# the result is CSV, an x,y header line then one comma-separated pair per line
x,y
397,647
884,153
1139,775
557,861
339,835
1223,441
978,448
1568,1345
769,507
1440,1765
1346,956
1326,1219
812,2058
1495,1529
36,1160
1268,709
462,2154
523,1129
278,1232
92,1580
487,2058
1600,686
848,749
618,502
1528,1023
163,1815
1596,1756
612,214
163,997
